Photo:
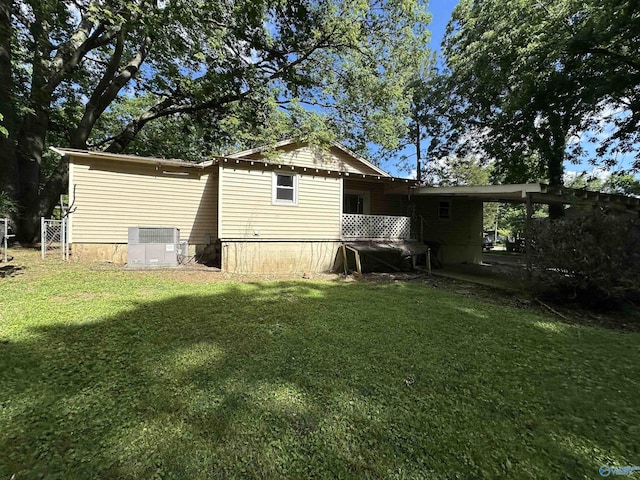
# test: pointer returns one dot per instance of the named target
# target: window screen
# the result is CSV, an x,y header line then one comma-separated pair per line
x,y
285,188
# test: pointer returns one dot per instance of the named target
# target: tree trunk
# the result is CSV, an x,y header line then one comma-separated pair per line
x,y
555,158
47,74
109,88
29,156
8,167
31,137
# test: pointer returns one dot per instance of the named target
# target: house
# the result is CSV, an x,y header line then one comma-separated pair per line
x,y
286,209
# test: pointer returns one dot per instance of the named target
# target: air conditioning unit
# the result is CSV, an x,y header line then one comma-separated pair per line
x,y
153,246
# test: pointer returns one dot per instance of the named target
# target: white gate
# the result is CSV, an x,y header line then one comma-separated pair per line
x,y
54,237
4,237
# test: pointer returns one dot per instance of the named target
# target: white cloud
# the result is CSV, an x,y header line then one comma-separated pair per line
x,y
599,173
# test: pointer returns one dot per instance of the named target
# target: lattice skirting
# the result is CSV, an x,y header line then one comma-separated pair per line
x,y
375,226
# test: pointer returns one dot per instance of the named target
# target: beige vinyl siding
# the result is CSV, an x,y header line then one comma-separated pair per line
x,y
460,236
111,196
247,210
314,157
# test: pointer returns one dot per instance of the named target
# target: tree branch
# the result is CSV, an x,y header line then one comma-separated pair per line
x,y
108,88
626,59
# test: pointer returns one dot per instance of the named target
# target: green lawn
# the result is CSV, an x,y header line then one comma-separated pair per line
x,y
106,373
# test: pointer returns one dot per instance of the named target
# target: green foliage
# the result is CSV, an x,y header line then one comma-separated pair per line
x,y
187,79
525,79
349,60
119,374
617,182
490,213
7,206
453,170
591,256
3,130
513,217
622,182
586,182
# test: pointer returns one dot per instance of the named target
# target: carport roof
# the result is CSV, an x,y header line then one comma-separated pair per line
x,y
537,192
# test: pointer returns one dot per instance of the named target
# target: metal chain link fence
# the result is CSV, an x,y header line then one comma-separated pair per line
x,y
54,237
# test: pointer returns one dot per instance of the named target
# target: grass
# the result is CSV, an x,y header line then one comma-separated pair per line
x,y
106,373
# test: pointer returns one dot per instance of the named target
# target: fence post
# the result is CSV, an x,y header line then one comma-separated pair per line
x,y
43,237
62,237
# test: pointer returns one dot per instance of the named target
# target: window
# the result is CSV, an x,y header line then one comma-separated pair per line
x,y
285,188
356,201
353,203
444,209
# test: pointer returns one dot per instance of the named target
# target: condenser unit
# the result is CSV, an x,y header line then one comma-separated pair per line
x,y
153,246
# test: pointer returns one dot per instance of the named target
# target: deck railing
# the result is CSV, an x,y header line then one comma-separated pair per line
x,y
359,227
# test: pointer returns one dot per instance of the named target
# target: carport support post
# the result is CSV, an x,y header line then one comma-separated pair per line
x,y
527,234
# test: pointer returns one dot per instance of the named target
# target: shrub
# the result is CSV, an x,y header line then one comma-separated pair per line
x,y
7,206
591,257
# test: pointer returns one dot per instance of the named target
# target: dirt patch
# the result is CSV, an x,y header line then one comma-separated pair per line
x,y
9,271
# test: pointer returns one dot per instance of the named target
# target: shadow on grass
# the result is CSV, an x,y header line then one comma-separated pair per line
x,y
299,380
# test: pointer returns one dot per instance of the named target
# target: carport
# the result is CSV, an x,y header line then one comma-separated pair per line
x,y
528,194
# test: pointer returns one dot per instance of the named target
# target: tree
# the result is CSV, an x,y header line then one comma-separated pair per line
x,y
616,182
525,79
622,182
68,67
452,170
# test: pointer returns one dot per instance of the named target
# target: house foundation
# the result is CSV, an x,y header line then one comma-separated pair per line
x,y
280,257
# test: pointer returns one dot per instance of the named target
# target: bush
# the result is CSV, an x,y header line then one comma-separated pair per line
x,y
590,257
7,206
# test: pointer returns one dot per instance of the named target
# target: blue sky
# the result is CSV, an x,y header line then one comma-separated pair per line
x,y
441,12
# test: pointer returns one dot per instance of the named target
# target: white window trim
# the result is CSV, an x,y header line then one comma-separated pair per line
x,y
274,189
450,203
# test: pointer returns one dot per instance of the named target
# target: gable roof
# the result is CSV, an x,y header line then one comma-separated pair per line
x,y
91,155
291,141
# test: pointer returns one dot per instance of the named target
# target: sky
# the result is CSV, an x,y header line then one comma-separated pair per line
x,y
441,13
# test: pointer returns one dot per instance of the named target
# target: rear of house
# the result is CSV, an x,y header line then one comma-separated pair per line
x,y
285,210
109,193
